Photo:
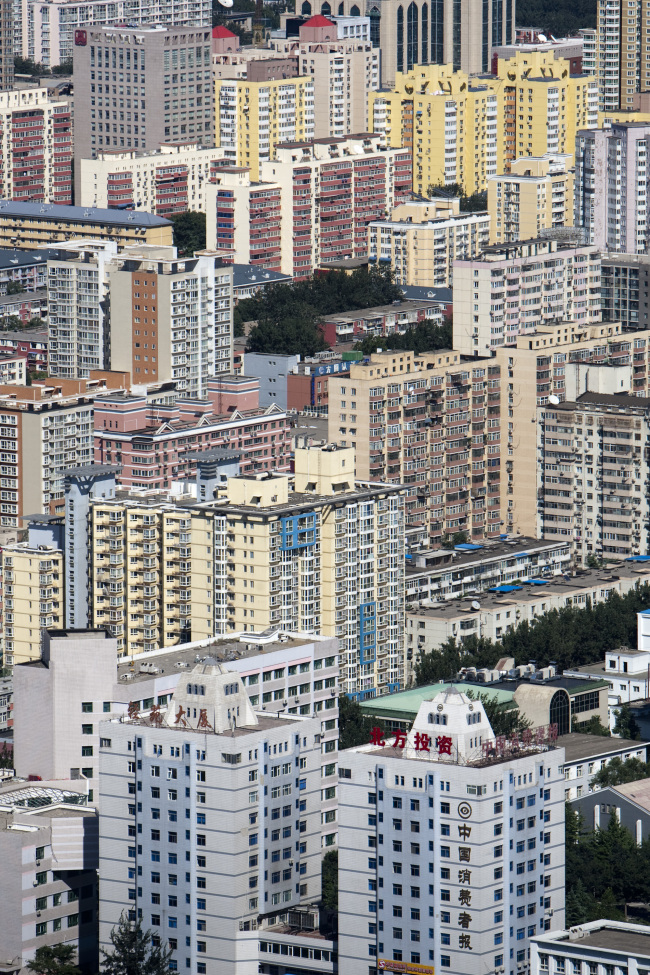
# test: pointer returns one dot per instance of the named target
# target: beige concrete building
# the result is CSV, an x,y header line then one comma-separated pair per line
x,y
167,180
32,601
45,428
536,195
156,106
30,226
462,35
423,238
171,319
6,46
321,553
35,144
432,424
514,289
344,70
593,474
562,359
244,218
502,608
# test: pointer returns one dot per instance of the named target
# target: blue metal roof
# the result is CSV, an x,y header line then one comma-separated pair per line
x,y
466,547
505,589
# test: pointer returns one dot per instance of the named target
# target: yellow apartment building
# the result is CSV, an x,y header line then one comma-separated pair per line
x,y
253,117
532,106
32,599
536,195
29,226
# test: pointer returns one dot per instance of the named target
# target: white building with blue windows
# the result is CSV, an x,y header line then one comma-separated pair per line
x,y
210,829
451,845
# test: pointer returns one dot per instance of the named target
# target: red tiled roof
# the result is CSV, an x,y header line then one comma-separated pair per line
x,y
318,21
222,32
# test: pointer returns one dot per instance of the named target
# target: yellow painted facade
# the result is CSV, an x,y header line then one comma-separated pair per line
x,y
532,106
253,117
536,195
32,599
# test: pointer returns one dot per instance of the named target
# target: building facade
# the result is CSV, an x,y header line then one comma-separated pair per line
x,y
611,186
442,792
234,874
595,945
158,107
512,290
625,284
35,146
422,239
48,29
536,195
32,600
592,473
253,117
6,46
462,36
329,191
164,181
432,424
171,319
32,226
481,117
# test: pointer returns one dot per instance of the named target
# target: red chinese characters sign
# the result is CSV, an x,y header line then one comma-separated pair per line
x,y
421,741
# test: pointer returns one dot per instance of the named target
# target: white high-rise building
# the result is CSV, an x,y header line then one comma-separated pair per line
x,y
451,845
210,829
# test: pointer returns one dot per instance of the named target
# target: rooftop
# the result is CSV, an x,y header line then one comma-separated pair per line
x,y
628,942
577,746
38,295
74,214
516,547
414,293
248,274
224,650
638,792
397,308
17,258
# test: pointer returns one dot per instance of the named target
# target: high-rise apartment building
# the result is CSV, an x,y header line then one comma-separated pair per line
x,y
78,308
430,821
622,70
536,195
513,289
344,70
244,222
254,117
482,117
625,286
211,884
593,474
48,28
561,359
611,193
165,81
171,319
35,144
432,424
6,45
462,35
32,601
162,181
323,553
330,190
423,238
45,429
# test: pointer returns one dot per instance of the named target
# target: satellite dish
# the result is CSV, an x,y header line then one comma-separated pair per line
x,y
226,3
542,38
475,604
554,400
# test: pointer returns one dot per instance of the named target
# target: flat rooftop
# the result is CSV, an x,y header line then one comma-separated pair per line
x,y
422,562
183,658
379,311
72,214
628,942
577,746
529,591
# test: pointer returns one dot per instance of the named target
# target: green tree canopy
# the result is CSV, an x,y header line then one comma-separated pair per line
x,y
15,288
557,17
618,772
424,337
354,725
571,636
330,880
134,952
189,232
626,726
287,314
54,960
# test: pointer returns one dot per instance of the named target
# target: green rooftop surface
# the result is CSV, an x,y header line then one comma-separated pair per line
x,y
407,703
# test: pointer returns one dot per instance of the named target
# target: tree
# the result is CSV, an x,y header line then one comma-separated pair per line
x,y
590,727
558,17
618,772
54,960
451,541
474,203
189,232
134,952
330,880
10,323
424,337
354,725
626,726
6,756
15,288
